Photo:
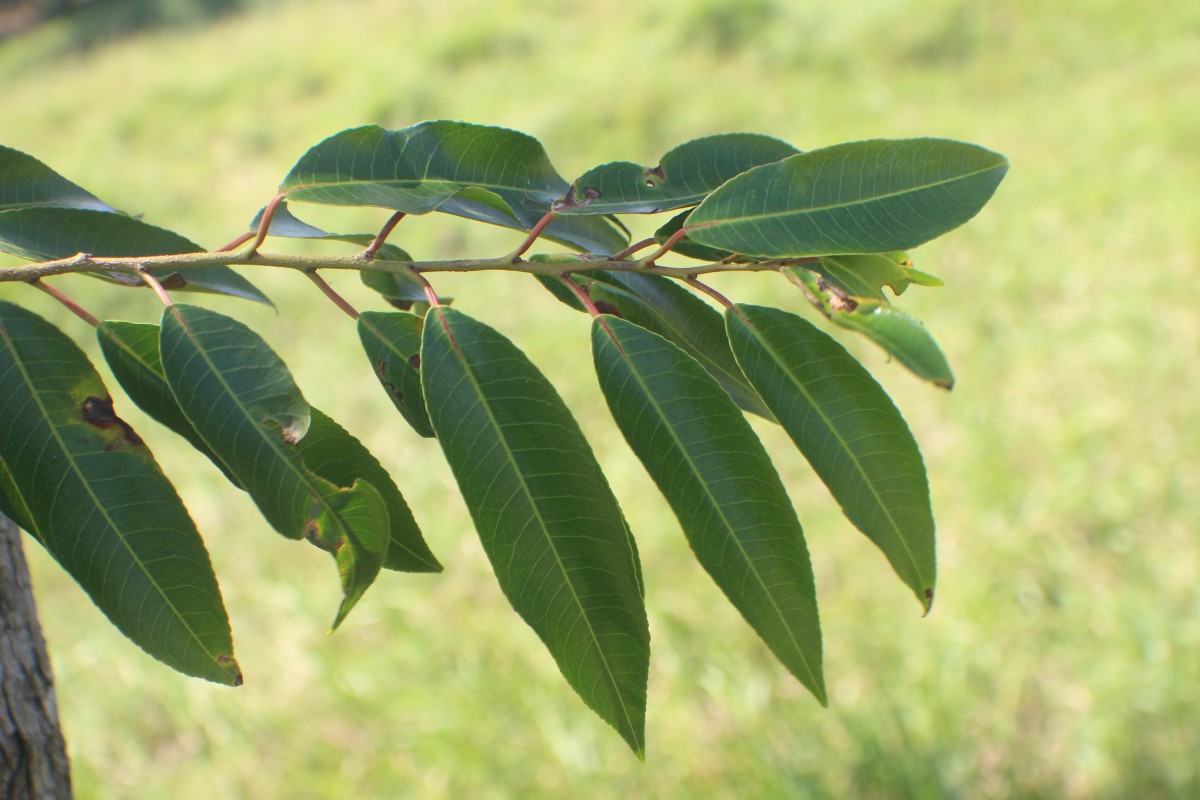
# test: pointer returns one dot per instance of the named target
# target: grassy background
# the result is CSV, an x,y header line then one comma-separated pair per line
x,y
1063,656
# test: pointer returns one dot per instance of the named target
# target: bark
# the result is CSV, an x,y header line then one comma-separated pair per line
x,y
33,756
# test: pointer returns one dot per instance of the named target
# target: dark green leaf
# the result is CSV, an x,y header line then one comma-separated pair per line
x,y
661,305
683,177
42,234
720,483
25,181
13,505
848,429
243,401
862,197
548,521
489,174
100,504
131,350
333,454
392,342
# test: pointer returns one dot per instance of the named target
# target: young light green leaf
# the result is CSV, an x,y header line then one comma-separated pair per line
x,y
333,454
392,342
483,173
131,350
25,182
860,276
243,401
683,177
548,521
721,485
901,335
661,305
98,502
42,234
861,197
849,430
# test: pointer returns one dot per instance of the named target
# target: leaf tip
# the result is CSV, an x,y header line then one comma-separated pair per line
x,y
927,601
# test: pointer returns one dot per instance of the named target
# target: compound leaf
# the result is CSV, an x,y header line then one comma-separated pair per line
x,y
721,485
849,430
549,523
862,197
99,503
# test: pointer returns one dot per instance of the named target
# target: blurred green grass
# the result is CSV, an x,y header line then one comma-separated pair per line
x,y
1063,656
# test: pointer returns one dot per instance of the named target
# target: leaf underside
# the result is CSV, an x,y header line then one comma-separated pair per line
x,y
392,342
547,519
720,483
848,429
97,501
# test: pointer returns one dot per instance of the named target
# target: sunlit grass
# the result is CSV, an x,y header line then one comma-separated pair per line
x,y
1062,657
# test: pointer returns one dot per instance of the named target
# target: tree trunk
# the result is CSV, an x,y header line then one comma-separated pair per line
x,y
33,756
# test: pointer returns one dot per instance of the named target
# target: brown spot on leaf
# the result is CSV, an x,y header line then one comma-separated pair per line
x,y
591,193
312,530
415,361
652,174
607,308
99,412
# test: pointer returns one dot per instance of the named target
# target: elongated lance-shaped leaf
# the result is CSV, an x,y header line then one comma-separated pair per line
x,y
849,430
392,342
488,174
100,505
243,401
548,521
663,306
131,350
864,276
721,485
862,197
900,335
25,182
333,454
683,177
42,234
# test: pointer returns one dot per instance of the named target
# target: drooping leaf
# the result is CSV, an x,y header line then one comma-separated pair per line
x,y
392,342
861,197
42,234
333,454
131,350
900,335
683,177
100,505
661,305
243,401
848,429
483,173
721,485
548,521
861,276
25,182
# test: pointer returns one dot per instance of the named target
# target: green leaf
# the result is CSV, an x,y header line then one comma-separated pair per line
x,y
899,334
131,350
488,174
685,246
13,505
661,305
903,337
392,342
848,429
862,197
43,234
333,454
25,182
243,401
721,485
862,276
548,521
683,177
98,502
